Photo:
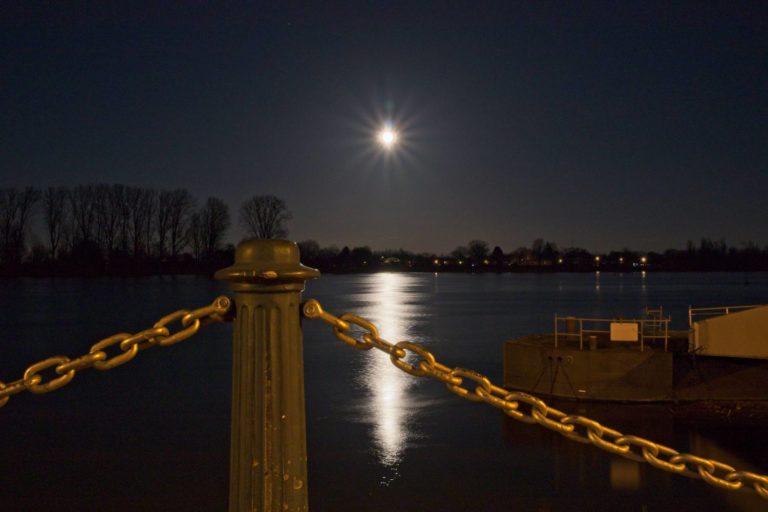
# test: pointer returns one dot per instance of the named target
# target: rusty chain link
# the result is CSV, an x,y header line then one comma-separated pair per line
x,y
129,345
530,409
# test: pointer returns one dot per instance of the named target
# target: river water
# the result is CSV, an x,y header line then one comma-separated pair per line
x,y
153,434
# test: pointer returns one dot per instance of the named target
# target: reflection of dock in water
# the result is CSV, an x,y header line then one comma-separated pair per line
x,y
710,448
584,477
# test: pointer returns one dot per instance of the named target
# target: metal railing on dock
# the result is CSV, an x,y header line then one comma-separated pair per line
x,y
694,313
618,329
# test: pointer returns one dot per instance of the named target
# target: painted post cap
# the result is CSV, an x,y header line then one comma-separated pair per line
x,y
267,262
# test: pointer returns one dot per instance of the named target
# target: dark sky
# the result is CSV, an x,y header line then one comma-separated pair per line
x,y
603,125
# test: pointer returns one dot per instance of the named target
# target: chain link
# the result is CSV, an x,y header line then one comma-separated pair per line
x,y
530,409
124,347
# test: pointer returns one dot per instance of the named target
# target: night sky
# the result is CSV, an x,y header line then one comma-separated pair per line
x,y
603,125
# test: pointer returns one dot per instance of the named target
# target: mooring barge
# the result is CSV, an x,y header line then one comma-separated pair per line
x,y
723,356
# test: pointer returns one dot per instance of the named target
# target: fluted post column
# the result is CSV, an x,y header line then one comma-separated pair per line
x,y
268,446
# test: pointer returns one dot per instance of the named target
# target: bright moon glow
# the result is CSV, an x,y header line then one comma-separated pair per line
x,y
388,137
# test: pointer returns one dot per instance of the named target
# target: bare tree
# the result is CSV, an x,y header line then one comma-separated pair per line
x,y
83,210
108,198
460,253
209,226
141,205
537,247
265,217
55,216
162,221
478,250
309,250
16,209
196,235
497,256
9,205
27,201
181,207
149,203
118,219
120,202
134,220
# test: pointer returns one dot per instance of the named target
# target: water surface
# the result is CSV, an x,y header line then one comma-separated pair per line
x,y
153,434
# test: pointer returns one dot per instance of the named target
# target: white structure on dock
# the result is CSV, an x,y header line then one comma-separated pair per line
x,y
732,331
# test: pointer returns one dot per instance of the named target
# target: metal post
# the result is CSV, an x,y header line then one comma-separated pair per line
x,y
268,446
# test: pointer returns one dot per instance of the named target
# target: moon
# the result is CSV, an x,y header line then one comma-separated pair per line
x,y
388,137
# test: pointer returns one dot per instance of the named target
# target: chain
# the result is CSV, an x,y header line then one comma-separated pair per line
x,y
530,409
64,368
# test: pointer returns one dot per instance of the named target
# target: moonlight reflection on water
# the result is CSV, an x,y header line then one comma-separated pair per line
x,y
389,305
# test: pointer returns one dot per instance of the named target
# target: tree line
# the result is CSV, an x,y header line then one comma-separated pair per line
x,y
540,256
118,229
115,229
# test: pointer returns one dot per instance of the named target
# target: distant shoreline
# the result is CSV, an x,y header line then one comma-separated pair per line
x,y
208,272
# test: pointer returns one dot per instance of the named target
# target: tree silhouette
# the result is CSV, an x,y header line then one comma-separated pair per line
x,y
497,256
181,206
208,228
110,218
83,213
478,250
265,217
16,208
55,216
309,250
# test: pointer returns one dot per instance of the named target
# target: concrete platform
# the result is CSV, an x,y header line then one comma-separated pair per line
x,y
622,372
